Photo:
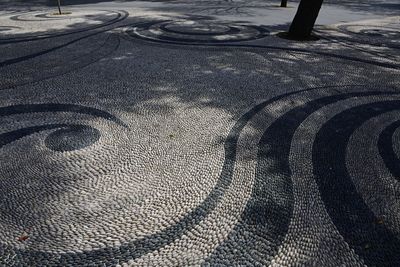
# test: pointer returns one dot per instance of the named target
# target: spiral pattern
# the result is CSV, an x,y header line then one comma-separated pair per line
x,y
33,16
309,175
67,137
8,28
51,25
386,36
196,32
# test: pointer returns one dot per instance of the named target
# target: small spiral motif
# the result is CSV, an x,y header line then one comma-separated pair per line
x,y
8,28
196,32
66,137
386,32
43,17
54,24
72,138
386,36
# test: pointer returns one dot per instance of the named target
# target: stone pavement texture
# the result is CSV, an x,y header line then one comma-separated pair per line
x,y
186,133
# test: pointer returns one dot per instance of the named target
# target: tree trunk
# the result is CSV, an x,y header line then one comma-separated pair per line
x,y
304,20
59,6
284,3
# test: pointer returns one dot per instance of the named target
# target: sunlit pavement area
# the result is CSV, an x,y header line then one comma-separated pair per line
x,y
181,133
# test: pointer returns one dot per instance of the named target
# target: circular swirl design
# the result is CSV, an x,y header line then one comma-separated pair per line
x,y
293,186
55,25
37,16
8,28
196,32
72,138
33,16
374,35
67,137
385,32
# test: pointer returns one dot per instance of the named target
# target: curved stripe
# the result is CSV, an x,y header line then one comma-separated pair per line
x,y
9,137
363,38
30,56
230,44
268,212
385,146
55,140
231,30
110,44
262,32
12,61
139,247
52,107
120,15
348,211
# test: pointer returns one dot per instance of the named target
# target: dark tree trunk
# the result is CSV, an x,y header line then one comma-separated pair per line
x,y
59,6
304,20
284,3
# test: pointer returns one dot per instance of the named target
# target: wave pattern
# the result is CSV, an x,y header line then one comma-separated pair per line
x,y
295,199
293,188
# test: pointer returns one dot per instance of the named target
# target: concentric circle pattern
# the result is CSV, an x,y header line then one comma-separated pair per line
x,y
304,177
196,32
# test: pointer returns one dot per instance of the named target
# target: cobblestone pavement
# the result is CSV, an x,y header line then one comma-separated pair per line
x,y
144,133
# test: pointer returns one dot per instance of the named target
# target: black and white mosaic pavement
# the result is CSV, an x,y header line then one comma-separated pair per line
x,y
186,141
386,35
196,32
